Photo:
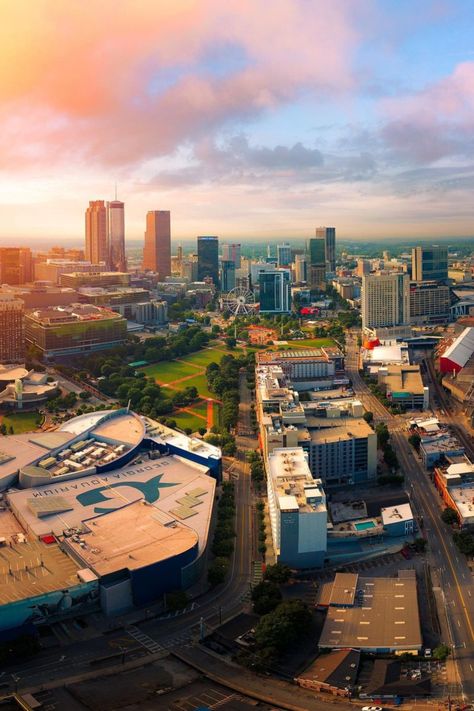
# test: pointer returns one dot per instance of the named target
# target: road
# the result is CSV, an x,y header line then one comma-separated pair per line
x,y
456,580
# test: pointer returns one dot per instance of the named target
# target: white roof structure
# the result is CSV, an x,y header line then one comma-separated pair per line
x,y
462,348
396,514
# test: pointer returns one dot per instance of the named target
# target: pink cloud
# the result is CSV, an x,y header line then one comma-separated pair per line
x,y
74,83
434,122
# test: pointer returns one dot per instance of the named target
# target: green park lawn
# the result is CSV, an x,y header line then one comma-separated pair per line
x,y
22,421
206,356
185,419
168,371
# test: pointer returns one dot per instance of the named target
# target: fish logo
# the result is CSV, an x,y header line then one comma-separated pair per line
x,y
149,489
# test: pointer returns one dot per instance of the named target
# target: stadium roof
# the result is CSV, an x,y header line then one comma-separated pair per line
x,y
462,348
180,489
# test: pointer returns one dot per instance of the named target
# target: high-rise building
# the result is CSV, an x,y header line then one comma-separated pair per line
x,y
12,342
329,236
208,258
275,291
429,263
189,267
227,275
116,235
283,255
385,301
317,263
232,253
300,268
97,248
297,506
430,302
16,265
363,267
157,250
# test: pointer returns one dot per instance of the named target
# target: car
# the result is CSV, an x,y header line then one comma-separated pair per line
x,y
372,708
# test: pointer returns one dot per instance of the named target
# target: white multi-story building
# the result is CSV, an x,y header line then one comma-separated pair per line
x,y
297,508
386,304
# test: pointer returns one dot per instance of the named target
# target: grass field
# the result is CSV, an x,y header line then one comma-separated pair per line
x,y
168,371
185,420
203,358
22,421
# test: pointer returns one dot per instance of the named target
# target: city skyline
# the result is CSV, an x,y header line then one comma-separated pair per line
x,y
359,116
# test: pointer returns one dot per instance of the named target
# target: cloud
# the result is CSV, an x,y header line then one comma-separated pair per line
x,y
135,79
431,124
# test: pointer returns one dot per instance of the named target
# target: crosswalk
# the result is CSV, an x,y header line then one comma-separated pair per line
x,y
154,647
255,579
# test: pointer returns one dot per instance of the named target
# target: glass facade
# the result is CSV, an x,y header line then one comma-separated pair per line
x,y
227,275
430,263
208,258
317,251
275,292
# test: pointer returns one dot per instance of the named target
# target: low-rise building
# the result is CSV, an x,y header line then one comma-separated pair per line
x,y
404,386
398,520
74,330
377,615
334,673
297,508
455,483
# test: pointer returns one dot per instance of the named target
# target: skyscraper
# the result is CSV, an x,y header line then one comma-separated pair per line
x,y
283,255
16,265
12,342
385,301
232,253
329,236
116,235
429,263
96,233
275,291
208,258
300,267
227,275
157,249
317,266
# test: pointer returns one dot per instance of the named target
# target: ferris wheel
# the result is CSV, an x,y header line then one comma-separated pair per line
x,y
239,301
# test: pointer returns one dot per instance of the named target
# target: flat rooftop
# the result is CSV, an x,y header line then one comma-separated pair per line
x,y
165,435
34,568
293,482
17,451
406,378
396,514
108,543
181,489
384,616
324,430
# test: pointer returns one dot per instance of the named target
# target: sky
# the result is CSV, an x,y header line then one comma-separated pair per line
x,y
245,118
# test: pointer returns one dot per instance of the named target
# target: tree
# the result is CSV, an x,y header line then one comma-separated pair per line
x,y
441,652
415,440
449,515
465,542
383,435
277,573
85,395
202,431
230,342
265,597
284,626
177,600
420,545
217,571
368,416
